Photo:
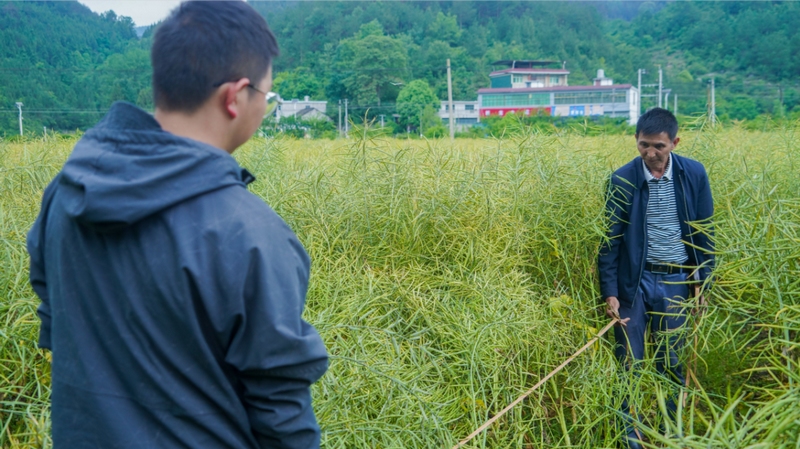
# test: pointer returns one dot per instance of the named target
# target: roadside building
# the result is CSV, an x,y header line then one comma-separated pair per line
x,y
465,114
302,109
539,87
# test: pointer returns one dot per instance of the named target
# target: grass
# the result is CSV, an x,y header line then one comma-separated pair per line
x,y
448,278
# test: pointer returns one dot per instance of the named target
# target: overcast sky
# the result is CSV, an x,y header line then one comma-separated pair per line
x,y
143,12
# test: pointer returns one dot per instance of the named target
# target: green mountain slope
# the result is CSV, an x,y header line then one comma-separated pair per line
x,y
67,64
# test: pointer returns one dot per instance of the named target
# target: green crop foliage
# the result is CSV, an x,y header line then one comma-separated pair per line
x,y
448,278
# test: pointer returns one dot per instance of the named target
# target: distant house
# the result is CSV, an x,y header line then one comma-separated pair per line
x,y
309,113
530,74
465,114
536,87
303,110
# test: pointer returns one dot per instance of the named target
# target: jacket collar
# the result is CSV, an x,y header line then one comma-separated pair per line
x,y
126,116
677,169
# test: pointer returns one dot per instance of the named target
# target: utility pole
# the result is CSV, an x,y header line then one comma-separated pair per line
x,y
19,106
675,108
340,119
346,127
641,71
450,102
666,98
382,116
660,79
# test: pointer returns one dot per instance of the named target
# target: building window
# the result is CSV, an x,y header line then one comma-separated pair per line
x,y
516,100
469,107
527,100
554,80
589,97
492,100
540,99
516,79
466,121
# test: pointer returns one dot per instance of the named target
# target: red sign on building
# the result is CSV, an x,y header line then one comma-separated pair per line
x,y
485,112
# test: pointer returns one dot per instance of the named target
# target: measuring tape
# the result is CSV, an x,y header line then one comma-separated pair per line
x,y
540,383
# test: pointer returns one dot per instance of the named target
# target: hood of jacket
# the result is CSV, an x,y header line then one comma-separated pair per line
x,y
127,168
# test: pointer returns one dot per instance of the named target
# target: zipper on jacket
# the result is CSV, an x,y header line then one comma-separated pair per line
x,y
644,250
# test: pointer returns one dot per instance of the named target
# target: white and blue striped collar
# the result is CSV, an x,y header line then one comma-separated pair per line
x,y
667,173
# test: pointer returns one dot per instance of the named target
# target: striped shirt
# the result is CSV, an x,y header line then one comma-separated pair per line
x,y
664,243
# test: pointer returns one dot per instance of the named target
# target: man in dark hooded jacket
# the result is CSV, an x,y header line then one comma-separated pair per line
x,y
171,296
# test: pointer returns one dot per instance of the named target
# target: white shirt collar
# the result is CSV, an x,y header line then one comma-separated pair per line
x,y
667,174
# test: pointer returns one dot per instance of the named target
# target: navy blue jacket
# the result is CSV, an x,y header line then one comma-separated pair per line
x,y
171,299
623,254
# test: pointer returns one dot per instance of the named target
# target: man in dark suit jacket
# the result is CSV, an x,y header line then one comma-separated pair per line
x,y
652,253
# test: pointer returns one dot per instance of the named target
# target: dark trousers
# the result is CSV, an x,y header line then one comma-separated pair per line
x,y
659,304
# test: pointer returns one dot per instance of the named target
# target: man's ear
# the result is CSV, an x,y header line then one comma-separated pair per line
x,y
675,142
232,97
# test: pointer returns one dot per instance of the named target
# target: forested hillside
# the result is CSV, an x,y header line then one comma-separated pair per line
x,y
67,64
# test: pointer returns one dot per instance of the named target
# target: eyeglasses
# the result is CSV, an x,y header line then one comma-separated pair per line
x,y
272,99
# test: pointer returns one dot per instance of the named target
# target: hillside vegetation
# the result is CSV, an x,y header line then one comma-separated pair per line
x,y
67,64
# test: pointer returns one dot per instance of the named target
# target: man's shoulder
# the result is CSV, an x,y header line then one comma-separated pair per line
x,y
236,213
690,165
627,174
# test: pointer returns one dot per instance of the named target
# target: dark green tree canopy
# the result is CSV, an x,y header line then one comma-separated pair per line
x,y
413,100
368,65
68,64
298,83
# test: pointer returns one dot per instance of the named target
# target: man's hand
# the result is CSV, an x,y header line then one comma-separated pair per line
x,y
613,310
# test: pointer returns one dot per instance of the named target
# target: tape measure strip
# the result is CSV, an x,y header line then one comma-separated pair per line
x,y
539,384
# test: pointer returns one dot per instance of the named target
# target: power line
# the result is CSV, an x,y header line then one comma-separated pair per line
x,y
45,111
62,70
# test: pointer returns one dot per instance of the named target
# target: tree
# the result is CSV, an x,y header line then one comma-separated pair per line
x,y
367,65
445,28
413,100
126,77
298,83
429,122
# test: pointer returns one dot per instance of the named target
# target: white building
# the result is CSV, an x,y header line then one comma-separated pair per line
x,y
305,109
545,91
466,114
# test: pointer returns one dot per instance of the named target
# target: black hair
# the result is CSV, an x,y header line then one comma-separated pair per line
x,y
203,43
657,121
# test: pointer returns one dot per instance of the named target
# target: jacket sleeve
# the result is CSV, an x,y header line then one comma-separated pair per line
x,y
276,354
704,213
617,208
35,243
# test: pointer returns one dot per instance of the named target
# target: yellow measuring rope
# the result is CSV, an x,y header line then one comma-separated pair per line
x,y
539,384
